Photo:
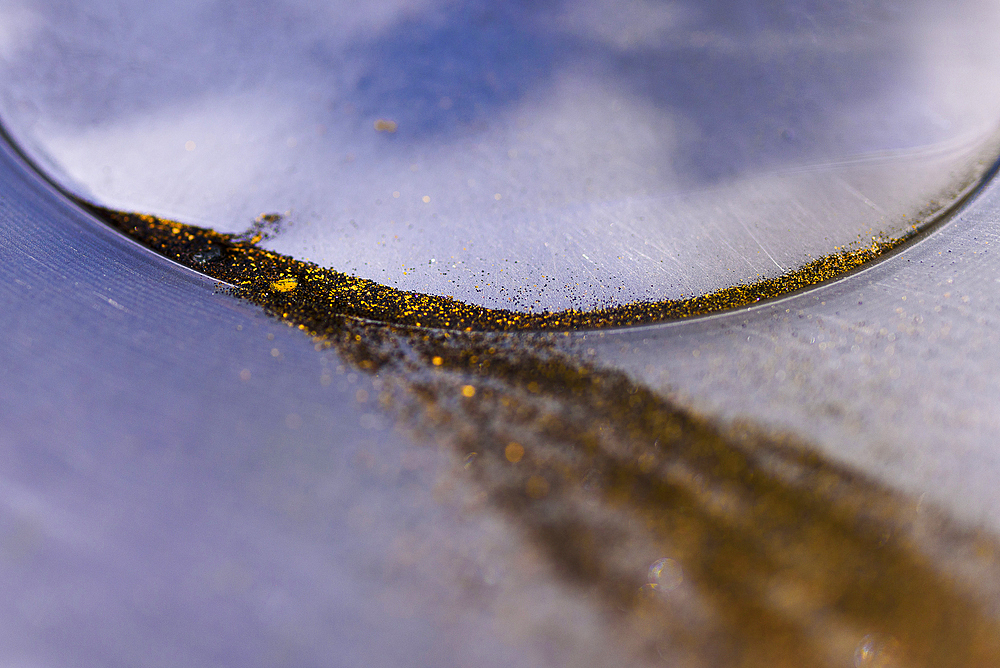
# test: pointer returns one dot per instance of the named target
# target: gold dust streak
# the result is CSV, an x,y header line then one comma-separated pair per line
x,y
788,560
314,297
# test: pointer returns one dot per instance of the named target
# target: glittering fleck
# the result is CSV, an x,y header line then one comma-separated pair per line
x,y
877,651
666,574
284,284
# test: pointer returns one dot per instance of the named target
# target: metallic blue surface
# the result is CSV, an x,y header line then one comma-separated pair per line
x,y
157,510
186,481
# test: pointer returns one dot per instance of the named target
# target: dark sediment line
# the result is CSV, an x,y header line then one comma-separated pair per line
x,y
310,295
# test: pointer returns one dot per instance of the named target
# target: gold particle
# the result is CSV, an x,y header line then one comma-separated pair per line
x,y
395,193
437,361
514,452
468,391
189,146
537,487
384,125
285,284
275,352
497,196
245,375
426,199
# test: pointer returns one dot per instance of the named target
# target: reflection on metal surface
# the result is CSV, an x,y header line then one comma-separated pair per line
x,y
187,481
790,558
787,556
545,156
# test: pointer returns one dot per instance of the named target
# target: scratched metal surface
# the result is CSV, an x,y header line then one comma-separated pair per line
x,y
187,481
158,510
893,370
570,154
160,506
